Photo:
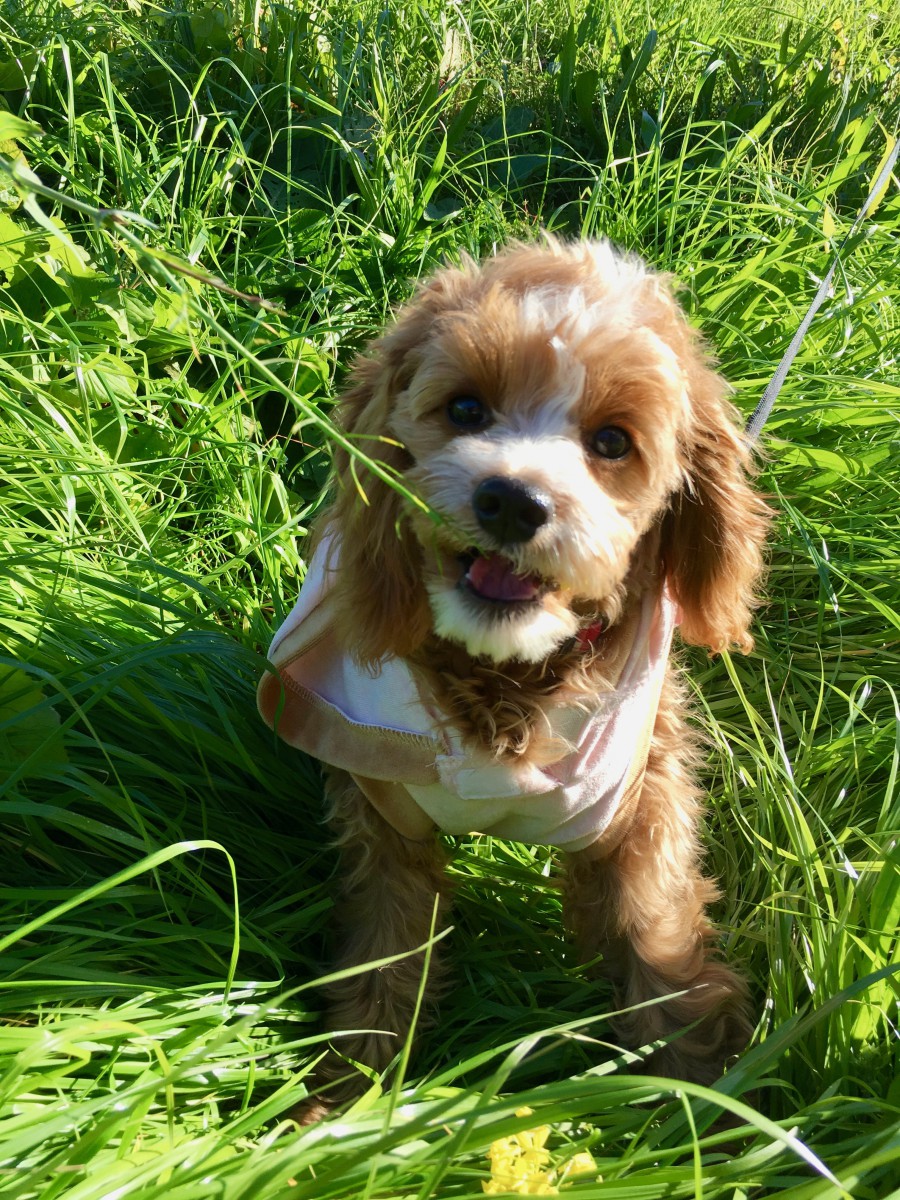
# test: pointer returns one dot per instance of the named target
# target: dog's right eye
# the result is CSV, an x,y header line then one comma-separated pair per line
x,y
467,412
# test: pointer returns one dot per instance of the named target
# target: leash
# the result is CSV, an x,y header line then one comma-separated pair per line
x,y
767,402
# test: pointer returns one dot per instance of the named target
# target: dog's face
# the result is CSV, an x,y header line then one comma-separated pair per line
x,y
543,423
551,406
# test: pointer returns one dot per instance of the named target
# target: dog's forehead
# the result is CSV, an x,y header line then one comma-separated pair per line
x,y
562,345
581,284
572,313
577,297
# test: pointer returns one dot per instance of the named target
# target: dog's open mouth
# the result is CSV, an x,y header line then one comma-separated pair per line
x,y
492,577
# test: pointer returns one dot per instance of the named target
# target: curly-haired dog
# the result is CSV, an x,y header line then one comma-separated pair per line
x,y
504,667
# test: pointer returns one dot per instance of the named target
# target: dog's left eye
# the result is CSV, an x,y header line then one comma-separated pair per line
x,y
467,412
611,442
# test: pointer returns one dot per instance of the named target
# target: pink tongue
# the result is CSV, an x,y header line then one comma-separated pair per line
x,y
493,578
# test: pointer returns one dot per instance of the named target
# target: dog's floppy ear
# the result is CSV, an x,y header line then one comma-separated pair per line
x,y
381,604
715,527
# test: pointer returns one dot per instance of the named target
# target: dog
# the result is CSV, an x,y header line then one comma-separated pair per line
x,y
556,481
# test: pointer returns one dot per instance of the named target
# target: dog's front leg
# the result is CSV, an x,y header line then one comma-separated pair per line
x,y
653,942
388,884
641,910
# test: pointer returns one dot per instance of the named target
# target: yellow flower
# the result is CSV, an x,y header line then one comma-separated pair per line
x,y
519,1164
579,1164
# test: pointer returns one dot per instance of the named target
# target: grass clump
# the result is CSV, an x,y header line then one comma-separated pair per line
x,y
166,384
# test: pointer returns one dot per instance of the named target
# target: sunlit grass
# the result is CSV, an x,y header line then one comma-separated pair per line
x,y
163,447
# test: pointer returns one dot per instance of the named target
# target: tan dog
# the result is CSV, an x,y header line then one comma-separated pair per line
x,y
504,668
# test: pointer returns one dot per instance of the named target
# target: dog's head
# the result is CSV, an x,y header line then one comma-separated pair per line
x,y
555,410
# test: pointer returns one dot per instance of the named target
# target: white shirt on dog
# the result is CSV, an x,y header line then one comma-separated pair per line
x,y
377,724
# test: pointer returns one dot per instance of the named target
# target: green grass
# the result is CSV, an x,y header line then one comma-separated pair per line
x,y
163,445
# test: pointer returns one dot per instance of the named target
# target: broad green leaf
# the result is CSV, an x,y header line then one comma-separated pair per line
x,y
30,736
133,313
102,379
18,245
13,127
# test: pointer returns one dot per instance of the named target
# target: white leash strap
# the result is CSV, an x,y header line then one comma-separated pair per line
x,y
764,408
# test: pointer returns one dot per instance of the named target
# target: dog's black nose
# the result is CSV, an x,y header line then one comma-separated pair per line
x,y
510,511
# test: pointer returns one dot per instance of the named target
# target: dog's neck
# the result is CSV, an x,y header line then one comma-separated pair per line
x,y
501,707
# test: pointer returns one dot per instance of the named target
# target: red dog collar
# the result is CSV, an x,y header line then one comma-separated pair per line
x,y
586,637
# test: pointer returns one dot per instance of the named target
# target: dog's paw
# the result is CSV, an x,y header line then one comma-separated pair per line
x,y
311,1111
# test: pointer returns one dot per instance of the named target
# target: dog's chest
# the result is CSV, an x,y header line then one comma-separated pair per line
x,y
378,725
